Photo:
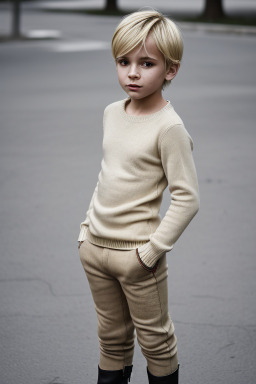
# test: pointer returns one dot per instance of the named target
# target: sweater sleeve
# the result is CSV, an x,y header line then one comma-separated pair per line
x,y
85,224
176,155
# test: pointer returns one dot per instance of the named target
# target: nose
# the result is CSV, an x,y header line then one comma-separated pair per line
x,y
133,73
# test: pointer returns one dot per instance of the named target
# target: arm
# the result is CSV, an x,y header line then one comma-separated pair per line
x,y
85,224
176,155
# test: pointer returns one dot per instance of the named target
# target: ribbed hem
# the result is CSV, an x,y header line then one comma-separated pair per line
x,y
153,269
150,254
83,232
114,244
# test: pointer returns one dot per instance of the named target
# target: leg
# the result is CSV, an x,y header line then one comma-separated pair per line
x,y
115,327
147,296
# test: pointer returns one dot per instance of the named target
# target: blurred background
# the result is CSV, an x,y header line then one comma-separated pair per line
x,y
56,77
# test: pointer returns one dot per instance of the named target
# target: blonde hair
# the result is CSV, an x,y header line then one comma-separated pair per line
x,y
134,29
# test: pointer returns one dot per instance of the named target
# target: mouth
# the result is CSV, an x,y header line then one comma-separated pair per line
x,y
133,87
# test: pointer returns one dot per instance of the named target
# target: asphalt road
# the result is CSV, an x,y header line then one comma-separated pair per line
x,y
52,96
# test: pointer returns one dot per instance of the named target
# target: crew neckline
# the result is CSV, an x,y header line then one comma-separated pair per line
x,y
141,118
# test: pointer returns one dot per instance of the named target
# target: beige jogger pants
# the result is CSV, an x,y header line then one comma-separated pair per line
x,y
128,297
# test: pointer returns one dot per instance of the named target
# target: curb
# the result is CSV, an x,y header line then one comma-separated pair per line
x,y
217,28
186,26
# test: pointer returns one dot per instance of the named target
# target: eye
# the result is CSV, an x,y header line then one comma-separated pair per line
x,y
147,64
122,62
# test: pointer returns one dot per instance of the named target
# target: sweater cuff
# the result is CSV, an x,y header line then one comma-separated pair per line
x,y
150,254
82,234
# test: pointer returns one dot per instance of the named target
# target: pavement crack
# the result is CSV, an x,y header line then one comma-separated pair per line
x,y
209,297
225,346
30,279
55,381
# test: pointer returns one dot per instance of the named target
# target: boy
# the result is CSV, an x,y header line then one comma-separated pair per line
x,y
123,242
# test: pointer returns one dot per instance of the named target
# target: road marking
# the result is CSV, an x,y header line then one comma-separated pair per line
x,y
42,34
80,46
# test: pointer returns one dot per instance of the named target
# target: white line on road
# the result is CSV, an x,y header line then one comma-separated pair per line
x,y
42,34
80,46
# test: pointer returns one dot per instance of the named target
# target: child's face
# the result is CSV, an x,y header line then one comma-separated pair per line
x,y
141,72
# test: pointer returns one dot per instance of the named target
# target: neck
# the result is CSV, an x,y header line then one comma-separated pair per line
x,y
145,106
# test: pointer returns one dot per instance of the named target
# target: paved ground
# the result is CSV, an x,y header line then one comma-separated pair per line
x,y
52,95
187,6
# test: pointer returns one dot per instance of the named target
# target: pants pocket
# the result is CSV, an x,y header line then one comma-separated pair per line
x,y
149,269
83,252
134,270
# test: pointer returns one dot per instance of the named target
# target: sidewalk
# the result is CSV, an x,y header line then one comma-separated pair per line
x,y
185,7
51,108
176,8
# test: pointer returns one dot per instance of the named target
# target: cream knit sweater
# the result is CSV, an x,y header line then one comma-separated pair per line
x,y
142,155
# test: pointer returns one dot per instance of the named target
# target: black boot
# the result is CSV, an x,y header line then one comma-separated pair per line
x,y
173,378
122,376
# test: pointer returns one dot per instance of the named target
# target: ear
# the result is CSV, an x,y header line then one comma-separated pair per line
x,y
172,72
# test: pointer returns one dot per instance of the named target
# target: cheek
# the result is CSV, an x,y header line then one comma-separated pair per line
x,y
120,75
155,79
121,81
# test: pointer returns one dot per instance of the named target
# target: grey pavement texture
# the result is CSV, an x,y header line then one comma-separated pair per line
x,y
175,8
51,102
184,6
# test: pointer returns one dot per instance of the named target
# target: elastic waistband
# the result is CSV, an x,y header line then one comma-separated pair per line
x,y
114,244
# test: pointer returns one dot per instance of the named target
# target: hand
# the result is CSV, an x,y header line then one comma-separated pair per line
x,y
79,244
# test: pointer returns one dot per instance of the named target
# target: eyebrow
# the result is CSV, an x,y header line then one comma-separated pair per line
x,y
147,58
140,58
